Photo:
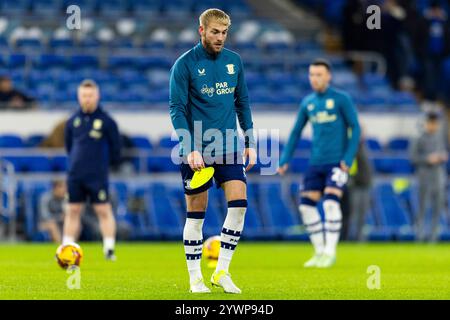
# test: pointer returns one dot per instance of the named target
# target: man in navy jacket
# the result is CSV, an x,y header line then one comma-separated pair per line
x,y
92,142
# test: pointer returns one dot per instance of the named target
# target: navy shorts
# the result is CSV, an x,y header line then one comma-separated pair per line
x,y
80,190
224,171
318,177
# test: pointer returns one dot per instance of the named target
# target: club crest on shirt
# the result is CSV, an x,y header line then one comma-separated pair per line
x,y
187,184
230,68
97,125
310,107
95,134
76,122
102,195
329,104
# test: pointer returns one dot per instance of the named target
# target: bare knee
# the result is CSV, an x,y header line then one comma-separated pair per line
x,y
197,202
235,190
74,210
103,211
334,191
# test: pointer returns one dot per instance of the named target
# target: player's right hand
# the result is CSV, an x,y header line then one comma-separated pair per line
x,y
195,160
282,170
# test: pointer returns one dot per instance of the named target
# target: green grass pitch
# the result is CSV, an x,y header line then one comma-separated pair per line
x,y
262,270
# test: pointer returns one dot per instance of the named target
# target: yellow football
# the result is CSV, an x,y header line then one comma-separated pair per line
x,y
69,255
211,248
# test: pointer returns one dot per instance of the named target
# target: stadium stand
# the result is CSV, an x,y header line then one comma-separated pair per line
x,y
128,47
40,58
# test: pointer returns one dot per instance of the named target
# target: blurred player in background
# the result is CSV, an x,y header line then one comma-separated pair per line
x,y
93,144
207,86
429,155
51,210
331,113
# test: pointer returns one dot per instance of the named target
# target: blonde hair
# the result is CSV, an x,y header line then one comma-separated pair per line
x,y
88,83
214,14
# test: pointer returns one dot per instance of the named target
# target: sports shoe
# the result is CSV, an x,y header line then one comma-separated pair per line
x,y
326,261
198,286
311,263
110,256
223,279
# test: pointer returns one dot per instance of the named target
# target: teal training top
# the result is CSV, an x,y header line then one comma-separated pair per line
x,y
331,113
211,89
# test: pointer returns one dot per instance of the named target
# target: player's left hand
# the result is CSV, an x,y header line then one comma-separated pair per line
x,y
344,166
250,153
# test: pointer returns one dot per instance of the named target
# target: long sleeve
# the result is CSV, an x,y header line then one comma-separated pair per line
x,y
289,149
418,157
114,142
243,108
178,101
351,119
68,136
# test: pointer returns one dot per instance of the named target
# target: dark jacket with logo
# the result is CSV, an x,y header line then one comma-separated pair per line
x,y
92,142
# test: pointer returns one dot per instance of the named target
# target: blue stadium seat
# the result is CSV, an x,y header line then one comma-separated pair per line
x,y
373,144
120,61
164,212
398,144
280,79
59,163
176,9
402,99
88,6
253,225
46,7
61,44
14,7
142,142
167,142
277,47
370,100
146,7
32,193
29,44
37,164
112,7
33,140
161,163
307,46
11,141
46,61
16,60
154,62
3,45
255,79
15,161
371,80
84,61
393,215
276,213
389,164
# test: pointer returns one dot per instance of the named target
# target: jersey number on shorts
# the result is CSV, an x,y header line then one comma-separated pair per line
x,y
339,176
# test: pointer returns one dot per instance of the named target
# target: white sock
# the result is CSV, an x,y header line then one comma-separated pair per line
x,y
67,239
231,232
313,223
333,223
108,244
193,243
